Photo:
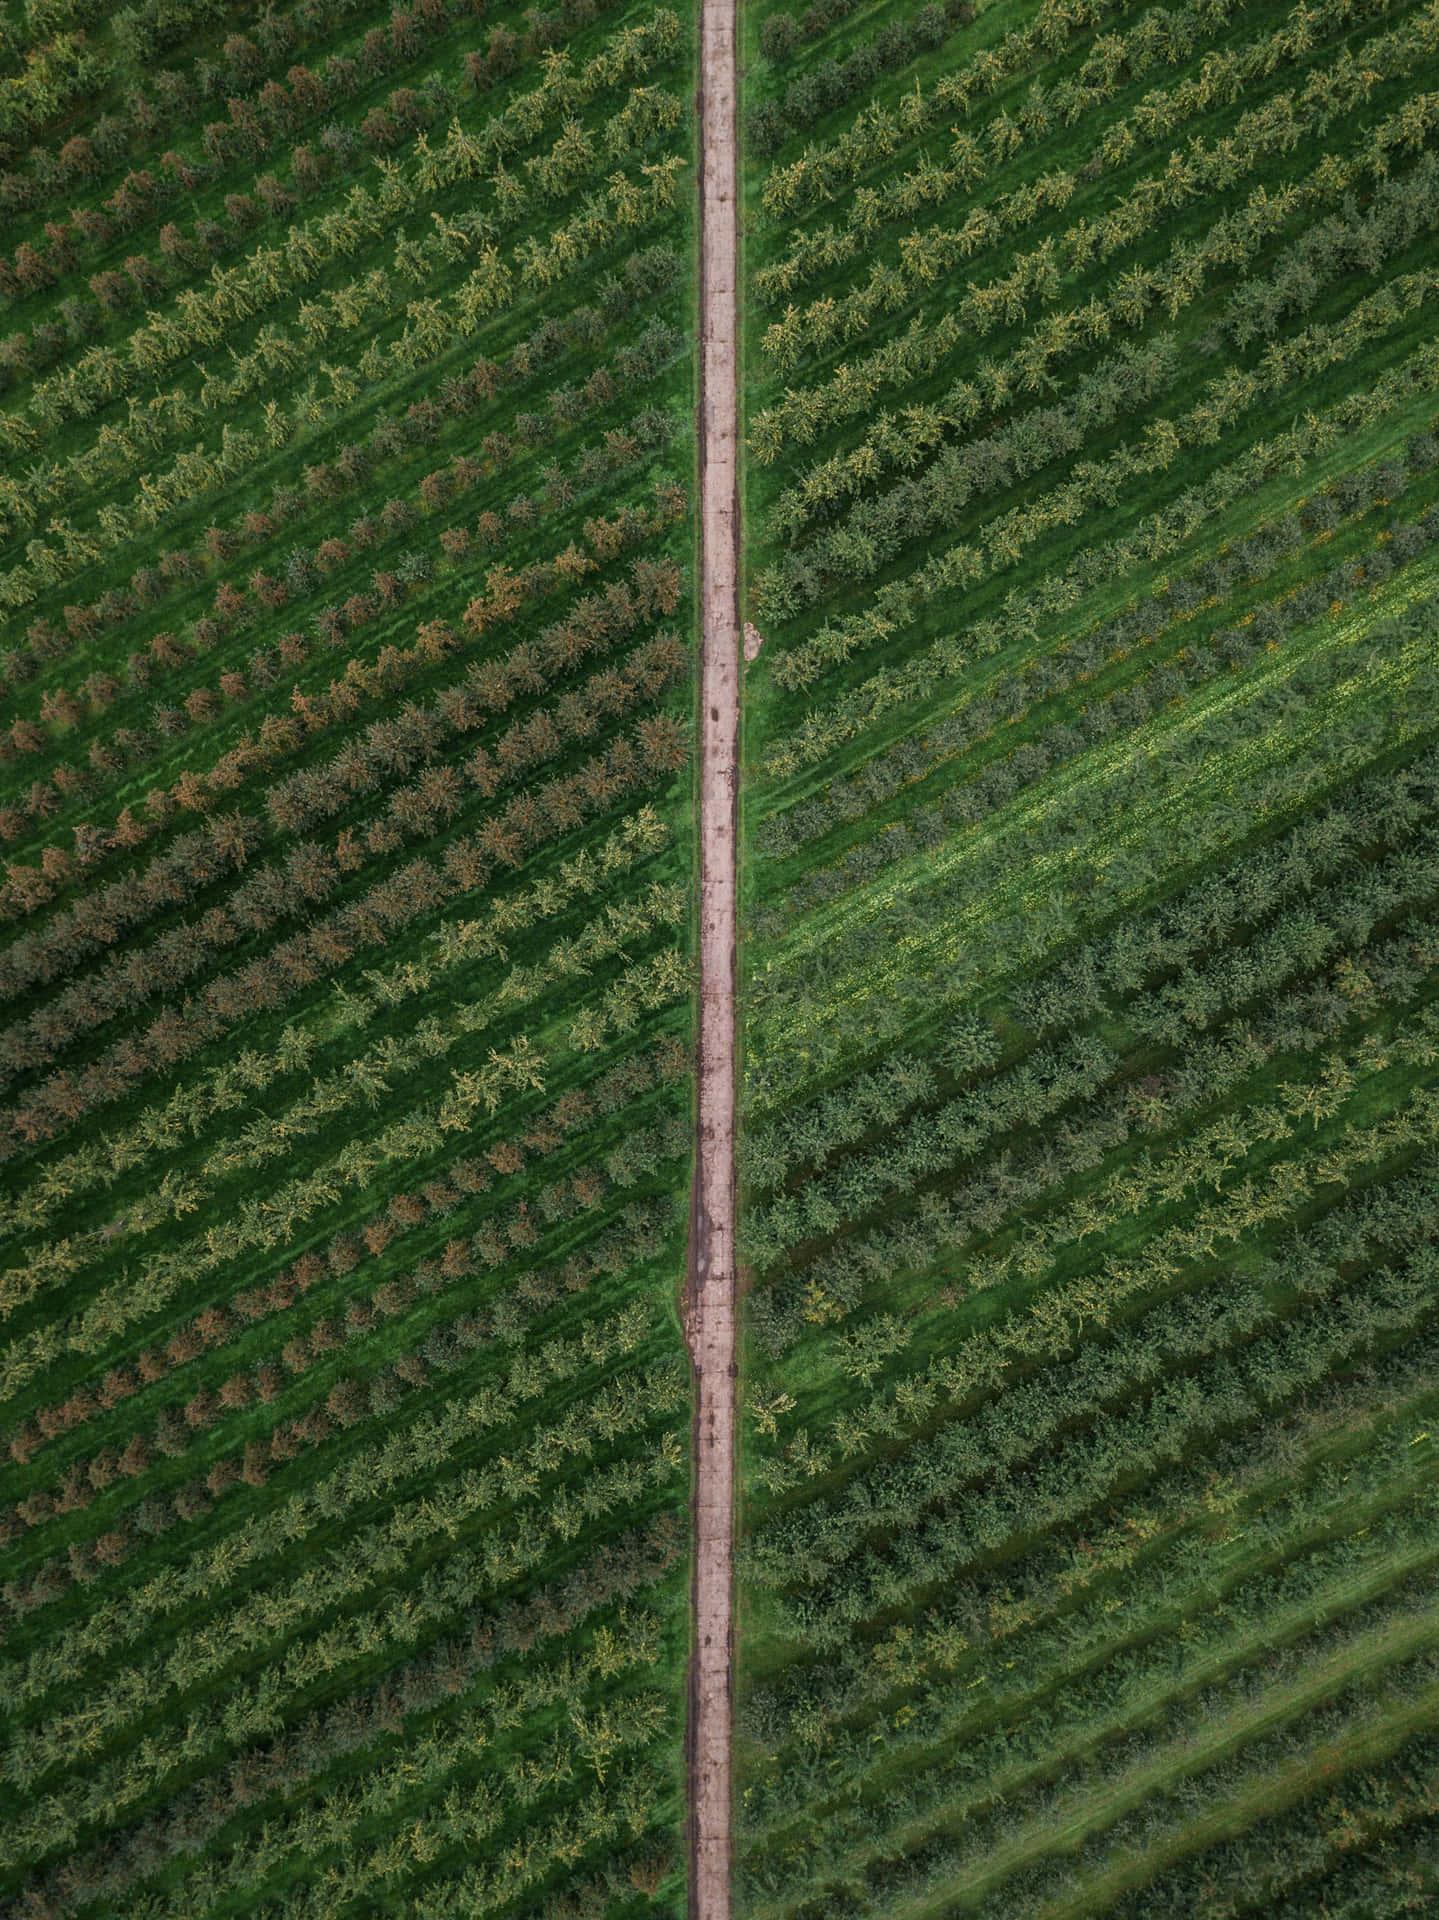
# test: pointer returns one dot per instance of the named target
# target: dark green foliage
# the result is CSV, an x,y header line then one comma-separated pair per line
x,y
1091,1037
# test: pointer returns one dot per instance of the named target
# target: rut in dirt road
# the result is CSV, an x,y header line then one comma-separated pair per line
x,y
710,1316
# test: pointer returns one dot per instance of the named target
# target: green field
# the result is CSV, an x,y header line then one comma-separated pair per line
x,y
1091,877
347,585
1089,960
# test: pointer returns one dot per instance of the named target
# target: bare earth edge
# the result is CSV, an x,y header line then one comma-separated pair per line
x,y
710,1288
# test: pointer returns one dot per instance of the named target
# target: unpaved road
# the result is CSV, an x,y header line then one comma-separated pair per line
x,y
710,1301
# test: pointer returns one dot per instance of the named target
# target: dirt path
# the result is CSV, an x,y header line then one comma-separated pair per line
x,y
711,1289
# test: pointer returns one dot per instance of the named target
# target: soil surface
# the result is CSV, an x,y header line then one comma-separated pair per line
x,y
710,1294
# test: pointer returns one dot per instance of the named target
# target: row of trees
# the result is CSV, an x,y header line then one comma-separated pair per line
x,y
1135,964
600,1826
638,761
1333,933
1061,592
1342,246
826,169
200,788
1030,1494
1163,532
477,1641
1228,76
270,275
1138,1289
345,1401
828,84
312,874
1057,1318
1127,381
1168,38
1090,1119
390,748
491,289
157,101
1199,1577
1108,1682
191,1109
854,388
1404,207
977,158
517,1539
172,1444
1331,1846
359,1082
1253,769
1336,846
1054,664
928,1679
833,1279
872,532
510,1228
275,274
932,1142
94,1316
998,771
1286,1475
389,448
380,1468
803,414
255,127
586,1104
56,76
1211,169
994,1783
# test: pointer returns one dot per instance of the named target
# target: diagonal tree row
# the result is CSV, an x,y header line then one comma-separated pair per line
x,y
345,978
1091,1030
